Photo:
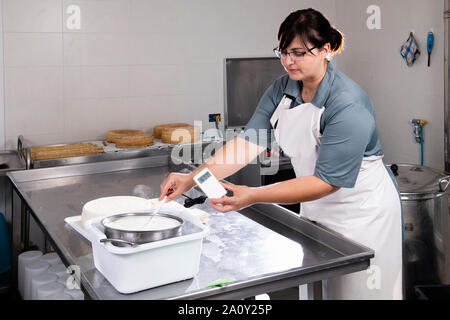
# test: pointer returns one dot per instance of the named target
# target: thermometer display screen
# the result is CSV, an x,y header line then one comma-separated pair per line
x,y
204,177
209,184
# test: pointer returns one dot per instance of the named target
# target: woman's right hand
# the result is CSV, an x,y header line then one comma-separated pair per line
x,y
180,182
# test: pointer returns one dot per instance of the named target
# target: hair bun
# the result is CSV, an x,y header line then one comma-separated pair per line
x,y
336,41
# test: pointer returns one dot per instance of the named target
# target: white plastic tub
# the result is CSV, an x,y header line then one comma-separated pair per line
x,y
148,265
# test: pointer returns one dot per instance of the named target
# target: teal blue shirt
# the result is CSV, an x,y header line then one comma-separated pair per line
x,y
348,127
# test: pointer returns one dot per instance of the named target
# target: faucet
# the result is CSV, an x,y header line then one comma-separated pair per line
x,y
418,127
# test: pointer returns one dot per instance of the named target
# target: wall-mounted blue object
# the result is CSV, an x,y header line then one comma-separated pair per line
x,y
430,44
410,50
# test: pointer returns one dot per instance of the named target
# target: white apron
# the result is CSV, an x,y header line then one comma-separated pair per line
x,y
369,213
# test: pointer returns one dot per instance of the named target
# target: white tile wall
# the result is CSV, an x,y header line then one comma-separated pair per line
x,y
32,16
96,82
33,100
33,83
158,48
399,93
137,63
156,17
91,118
132,63
110,16
96,49
155,80
170,109
33,49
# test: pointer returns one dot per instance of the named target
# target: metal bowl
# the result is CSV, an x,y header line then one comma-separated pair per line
x,y
123,238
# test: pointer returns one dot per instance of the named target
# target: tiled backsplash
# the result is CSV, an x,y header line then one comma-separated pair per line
x,y
399,93
132,63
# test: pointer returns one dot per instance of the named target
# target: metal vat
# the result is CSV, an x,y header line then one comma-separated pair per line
x,y
426,249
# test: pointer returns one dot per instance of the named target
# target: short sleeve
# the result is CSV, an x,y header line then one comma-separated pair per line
x,y
346,135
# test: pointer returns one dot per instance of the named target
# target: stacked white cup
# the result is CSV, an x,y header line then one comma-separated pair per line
x,y
24,259
58,269
33,270
51,258
44,277
59,296
76,294
49,291
39,281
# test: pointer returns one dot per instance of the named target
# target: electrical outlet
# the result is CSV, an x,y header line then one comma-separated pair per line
x,y
213,117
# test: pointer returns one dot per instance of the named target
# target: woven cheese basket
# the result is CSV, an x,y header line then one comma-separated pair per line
x,y
64,151
185,134
135,141
113,135
157,130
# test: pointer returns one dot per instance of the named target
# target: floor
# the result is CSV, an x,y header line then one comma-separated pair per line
x,y
286,294
8,294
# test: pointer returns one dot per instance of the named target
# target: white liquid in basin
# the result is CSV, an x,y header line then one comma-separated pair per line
x,y
142,223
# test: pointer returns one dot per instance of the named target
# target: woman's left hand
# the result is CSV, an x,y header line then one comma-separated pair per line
x,y
242,197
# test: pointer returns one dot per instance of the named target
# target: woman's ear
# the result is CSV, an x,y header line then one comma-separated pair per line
x,y
326,51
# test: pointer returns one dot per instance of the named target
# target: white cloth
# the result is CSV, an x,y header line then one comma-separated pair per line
x,y
369,213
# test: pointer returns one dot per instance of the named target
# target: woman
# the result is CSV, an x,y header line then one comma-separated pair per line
x,y
326,124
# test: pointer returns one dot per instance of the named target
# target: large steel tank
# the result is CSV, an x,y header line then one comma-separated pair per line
x,y
426,247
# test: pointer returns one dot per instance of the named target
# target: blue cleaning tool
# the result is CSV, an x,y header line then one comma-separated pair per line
x,y
421,147
430,43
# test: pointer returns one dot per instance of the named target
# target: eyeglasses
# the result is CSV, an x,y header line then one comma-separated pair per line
x,y
294,55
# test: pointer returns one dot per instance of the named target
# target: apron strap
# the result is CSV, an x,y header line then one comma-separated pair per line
x,y
284,104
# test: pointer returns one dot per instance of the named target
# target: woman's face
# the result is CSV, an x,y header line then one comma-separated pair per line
x,y
307,67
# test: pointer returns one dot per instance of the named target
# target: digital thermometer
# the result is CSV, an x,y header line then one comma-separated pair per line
x,y
209,184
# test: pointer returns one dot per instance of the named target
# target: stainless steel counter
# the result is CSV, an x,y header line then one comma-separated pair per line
x,y
111,152
263,248
9,161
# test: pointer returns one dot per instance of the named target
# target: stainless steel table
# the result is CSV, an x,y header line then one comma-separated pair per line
x,y
9,161
263,248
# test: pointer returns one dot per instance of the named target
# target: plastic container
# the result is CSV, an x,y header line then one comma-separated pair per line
x,y
32,271
52,258
63,279
59,296
49,290
58,269
24,259
148,265
76,294
39,281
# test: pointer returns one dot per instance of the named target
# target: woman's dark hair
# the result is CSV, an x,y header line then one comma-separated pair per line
x,y
311,26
